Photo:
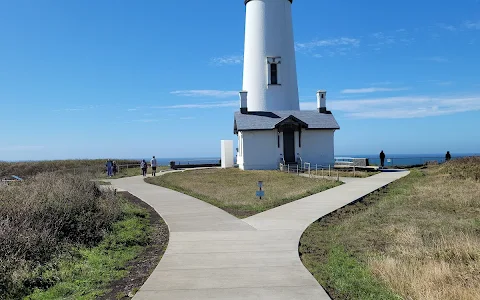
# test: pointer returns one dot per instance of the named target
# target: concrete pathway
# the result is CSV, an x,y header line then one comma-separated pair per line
x,y
213,255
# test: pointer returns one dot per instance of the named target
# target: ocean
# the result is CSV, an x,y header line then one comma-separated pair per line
x,y
391,159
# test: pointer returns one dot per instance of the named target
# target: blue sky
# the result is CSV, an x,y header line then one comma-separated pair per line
x,y
87,79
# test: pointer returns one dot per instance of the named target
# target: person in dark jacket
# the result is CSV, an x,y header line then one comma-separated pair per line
x,y
382,159
144,166
448,156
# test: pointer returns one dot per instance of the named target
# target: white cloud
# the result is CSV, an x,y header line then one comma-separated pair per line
x,y
228,60
472,25
438,59
402,107
202,105
336,46
205,93
371,90
21,148
446,27
132,109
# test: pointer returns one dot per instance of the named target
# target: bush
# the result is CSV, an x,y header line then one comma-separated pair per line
x,y
42,217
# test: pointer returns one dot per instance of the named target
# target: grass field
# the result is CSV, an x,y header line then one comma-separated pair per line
x,y
234,190
418,239
73,166
85,273
61,237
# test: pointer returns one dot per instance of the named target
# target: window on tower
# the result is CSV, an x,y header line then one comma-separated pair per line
x,y
273,74
274,77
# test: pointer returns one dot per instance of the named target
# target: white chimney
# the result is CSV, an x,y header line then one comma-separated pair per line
x,y
322,101
243,102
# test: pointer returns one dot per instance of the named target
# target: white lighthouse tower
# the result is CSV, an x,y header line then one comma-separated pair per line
x,y
270,72
272,130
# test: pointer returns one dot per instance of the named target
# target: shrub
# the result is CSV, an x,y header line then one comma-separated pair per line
x,y
42,217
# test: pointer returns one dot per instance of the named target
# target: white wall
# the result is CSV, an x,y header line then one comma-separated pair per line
x,y
260,150
317,147
269,33
227,153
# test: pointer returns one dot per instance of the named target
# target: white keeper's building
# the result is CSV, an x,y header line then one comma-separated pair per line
x,y
270,126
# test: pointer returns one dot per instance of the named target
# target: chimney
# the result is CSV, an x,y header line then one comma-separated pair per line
x,y
243,102
322,102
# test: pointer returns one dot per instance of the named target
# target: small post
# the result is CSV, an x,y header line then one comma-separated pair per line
x,y
329,171
338,176
323,177
316,169
297,170
353,171
288,169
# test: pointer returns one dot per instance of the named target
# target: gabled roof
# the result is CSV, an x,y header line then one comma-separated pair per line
x,y
270,120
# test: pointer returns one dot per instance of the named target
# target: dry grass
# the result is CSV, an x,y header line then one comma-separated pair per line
x,y
27,169
234,190
43,217
421,238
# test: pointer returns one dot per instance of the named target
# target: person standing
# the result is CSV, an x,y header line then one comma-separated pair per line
x,y
109,166
382,159
448,156
153,164
114,168
144,166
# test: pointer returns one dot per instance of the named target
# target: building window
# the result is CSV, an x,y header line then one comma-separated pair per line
x,y
273,74
278,139
274,70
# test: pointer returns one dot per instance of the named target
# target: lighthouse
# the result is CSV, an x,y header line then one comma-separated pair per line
x,y
272,131
270,71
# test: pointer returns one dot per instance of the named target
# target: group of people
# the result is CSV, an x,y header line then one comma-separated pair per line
x,y
112,167
144,166
448,157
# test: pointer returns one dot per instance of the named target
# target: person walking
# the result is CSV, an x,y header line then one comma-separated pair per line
x,y
448,156
144,166
114,168
109,166
382,159
153,164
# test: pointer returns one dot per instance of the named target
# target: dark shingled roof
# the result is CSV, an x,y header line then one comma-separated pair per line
x,y
269,120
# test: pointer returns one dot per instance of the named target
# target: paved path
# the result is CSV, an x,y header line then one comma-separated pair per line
x,y
213,255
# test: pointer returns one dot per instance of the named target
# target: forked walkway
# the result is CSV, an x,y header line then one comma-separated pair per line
x,y
213,255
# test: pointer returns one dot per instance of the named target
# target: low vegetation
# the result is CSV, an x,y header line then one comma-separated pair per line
x,y
131,171
234,191
75,166
418,239
61,237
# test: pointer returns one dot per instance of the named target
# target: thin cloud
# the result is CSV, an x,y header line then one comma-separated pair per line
x,y
331,47
438,59
201,105
227,60
371,90
446,27
472,25
21,148
402,107
205,93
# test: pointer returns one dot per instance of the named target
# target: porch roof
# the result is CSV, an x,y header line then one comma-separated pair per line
x,y
269,120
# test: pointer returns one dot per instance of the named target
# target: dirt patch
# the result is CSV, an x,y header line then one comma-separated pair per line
x,y
141,268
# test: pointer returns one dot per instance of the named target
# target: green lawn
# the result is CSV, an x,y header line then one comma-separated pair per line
x,y
86,272
418,239
234,190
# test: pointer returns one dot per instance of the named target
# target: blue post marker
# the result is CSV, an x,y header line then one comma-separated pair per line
x,y
260,193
